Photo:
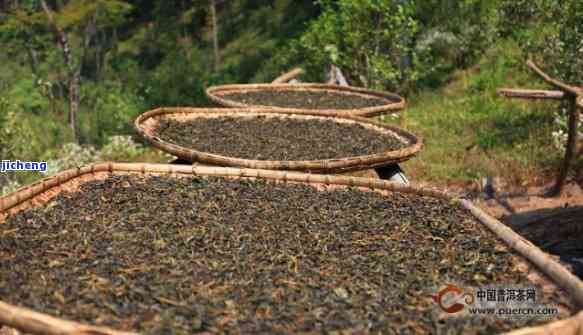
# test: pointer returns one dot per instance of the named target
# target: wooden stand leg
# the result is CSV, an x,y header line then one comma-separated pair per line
x,y
570,150
392,173
180,161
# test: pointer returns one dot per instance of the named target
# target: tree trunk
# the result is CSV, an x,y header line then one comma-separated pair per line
x,y
213,10
33,59
73,73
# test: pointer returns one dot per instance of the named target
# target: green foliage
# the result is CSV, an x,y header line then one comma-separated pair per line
x,y
4,139
452,35
549,31
112,113
106,13
562,51
27,95
398,45
119,148
178,80
369,40
72,155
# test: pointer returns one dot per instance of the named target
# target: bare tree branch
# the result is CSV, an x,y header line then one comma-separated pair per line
x,y
556,83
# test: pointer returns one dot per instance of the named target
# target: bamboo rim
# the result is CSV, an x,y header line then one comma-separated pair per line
x,y
146,123
570,326
394,103
37,193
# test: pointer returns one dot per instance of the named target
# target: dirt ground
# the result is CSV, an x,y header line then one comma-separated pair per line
x,y
554,224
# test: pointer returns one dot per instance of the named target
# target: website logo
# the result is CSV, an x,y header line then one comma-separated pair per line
x,y
449,299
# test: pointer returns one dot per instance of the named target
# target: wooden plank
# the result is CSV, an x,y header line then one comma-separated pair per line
x,y
530,94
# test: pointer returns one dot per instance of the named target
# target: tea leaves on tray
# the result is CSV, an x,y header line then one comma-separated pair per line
x,y
275,138
182,255
304,99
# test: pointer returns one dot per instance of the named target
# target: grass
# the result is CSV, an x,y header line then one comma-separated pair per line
x,y
471,133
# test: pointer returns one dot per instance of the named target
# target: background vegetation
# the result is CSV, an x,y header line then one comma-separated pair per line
x,y
446,56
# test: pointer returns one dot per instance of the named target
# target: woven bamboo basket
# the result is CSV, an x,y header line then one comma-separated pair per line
x,y
393,102
541,267
146,125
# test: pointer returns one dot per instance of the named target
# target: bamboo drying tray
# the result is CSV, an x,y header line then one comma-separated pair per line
x,y
394,103
146,125
36,194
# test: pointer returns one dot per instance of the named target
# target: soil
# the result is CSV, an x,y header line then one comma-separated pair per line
x,y
304,99
277,138
554,224
187,255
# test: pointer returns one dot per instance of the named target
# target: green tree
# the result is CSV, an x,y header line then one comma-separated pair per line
x,y
87,16
74,23
369,40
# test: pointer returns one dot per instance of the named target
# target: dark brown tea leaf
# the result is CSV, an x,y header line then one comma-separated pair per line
x,y
274,138
304,99
187,255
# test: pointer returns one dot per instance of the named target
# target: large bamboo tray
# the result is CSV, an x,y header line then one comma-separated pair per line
x,y
394,103
32,322
146,125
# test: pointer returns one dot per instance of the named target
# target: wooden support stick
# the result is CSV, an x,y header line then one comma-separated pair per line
x,y
571,147
284,78
530,94
336,77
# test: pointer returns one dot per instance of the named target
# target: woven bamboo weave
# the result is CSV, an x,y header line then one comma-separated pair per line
x,y
393,102
147,123
36,194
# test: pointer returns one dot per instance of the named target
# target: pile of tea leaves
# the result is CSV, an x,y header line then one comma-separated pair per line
x,y
276,138
193,254
304,99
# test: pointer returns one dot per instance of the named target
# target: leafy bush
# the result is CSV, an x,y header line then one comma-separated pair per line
x,y
561,133
119,148
24,136
111,111
397,45
71,155
550,31
562,49
179,80
28,97
369,40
